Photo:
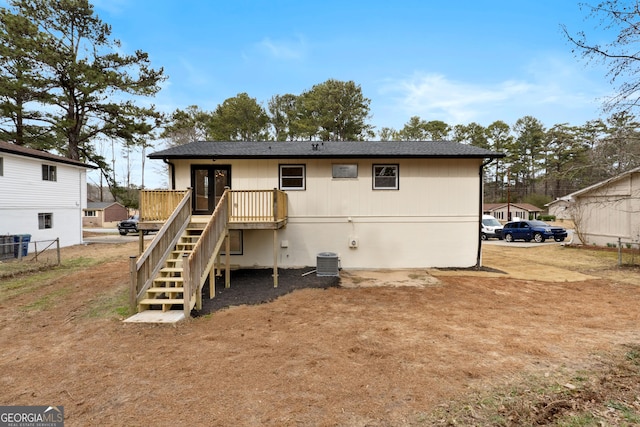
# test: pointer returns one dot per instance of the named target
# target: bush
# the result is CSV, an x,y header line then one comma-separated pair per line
x,y
548,217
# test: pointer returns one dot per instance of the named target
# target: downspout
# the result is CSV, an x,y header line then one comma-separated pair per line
x,y
480,200
172,173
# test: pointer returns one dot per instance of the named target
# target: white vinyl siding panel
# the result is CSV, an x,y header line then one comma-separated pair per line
x,y
24,195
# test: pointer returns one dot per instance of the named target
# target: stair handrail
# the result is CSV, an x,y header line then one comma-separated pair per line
x,y
195,267
144,268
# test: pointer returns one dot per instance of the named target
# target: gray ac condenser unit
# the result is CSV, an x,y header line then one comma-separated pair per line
x,y
327,264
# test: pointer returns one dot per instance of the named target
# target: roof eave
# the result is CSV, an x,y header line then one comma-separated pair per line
x,y
329,156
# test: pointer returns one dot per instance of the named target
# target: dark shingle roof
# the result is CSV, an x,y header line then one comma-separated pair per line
x,y
8,147
317,149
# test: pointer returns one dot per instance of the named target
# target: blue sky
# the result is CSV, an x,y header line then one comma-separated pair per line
x,y
455,61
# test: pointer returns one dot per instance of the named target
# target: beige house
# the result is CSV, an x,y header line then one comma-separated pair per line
x,y
510,211
608,210
353,205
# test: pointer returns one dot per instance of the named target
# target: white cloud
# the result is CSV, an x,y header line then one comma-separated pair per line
x,y
283,49
548,89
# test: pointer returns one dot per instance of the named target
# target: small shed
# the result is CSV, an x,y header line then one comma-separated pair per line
x,y
103,214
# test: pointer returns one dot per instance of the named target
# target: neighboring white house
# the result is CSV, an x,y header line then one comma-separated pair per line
x,y
510,211
375,204
608,210
41,194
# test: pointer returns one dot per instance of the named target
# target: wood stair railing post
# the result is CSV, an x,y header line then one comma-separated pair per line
x,y
133,288
186,285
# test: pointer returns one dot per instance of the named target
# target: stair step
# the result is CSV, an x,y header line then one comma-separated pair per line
x,y
160,290
183,251
168,279
164,302
171,269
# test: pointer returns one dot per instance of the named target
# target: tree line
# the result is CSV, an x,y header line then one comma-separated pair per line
x,y
65,85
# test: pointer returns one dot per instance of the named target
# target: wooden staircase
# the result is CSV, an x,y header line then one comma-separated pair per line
x,y
167,288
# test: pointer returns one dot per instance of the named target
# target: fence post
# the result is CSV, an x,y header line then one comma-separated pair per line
x,y
619,252
20,247
58,249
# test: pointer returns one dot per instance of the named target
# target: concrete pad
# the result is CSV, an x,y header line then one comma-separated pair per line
x,y
157,316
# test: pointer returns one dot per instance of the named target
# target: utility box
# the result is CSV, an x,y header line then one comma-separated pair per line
x,y
327,264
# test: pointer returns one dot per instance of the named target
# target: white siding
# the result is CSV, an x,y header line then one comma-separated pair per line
x,y
611,211
23,195
431,221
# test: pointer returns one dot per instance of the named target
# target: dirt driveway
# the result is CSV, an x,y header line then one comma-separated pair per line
x,y
383,349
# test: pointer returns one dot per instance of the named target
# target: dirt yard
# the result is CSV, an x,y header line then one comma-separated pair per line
x,y
379,349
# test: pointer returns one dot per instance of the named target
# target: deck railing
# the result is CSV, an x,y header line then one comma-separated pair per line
x,y
145,268
197,266
158,205
257,205
244,205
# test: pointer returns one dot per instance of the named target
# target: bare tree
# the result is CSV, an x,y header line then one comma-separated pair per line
x,y
620,54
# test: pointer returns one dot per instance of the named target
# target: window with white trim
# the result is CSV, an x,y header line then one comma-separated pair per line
x,y
386,177
48,173
90,213
45,220
292,177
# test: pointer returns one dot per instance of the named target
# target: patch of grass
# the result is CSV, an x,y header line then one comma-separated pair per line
x,y
110,305
605,394
32,281
579,420
48,301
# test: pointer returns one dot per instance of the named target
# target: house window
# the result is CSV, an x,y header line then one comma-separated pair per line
x,y
385,177
292,177
48,173
45,220
90,213
1,166
235,241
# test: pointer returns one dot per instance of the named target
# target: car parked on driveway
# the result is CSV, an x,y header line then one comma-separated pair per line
x,y
491,227
535,230
129,225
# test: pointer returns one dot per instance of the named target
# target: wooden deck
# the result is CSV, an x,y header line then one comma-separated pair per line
x,y
172,270
247,209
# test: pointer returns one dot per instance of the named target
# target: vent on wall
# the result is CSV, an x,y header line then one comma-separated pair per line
x,y
327,264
